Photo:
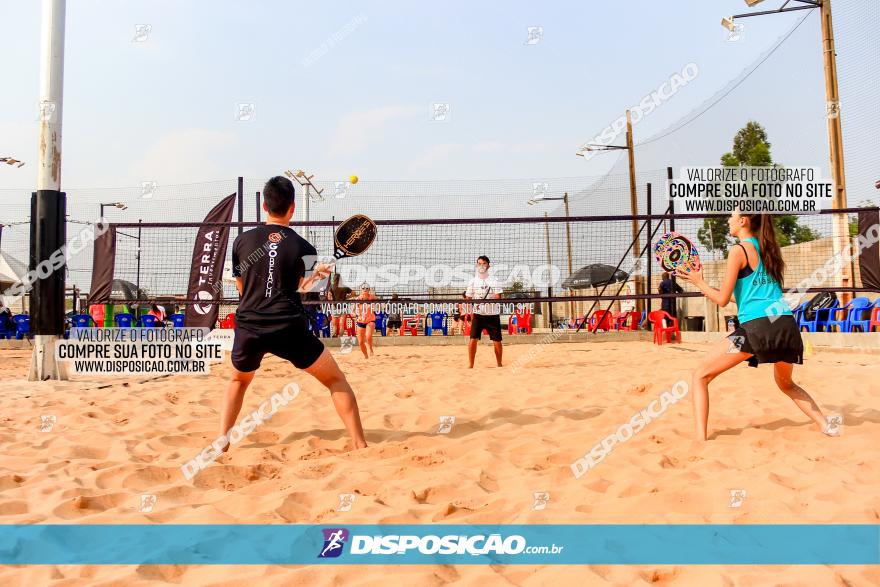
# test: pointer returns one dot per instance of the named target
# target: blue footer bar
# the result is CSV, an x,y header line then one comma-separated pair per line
x,y
546,544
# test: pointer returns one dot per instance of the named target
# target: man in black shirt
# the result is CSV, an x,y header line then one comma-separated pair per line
x,y
269,264
668,286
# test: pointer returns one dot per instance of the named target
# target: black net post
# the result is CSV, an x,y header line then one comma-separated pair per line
x,y
48,235
240,202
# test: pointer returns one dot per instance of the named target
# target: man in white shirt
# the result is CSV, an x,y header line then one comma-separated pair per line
x,y
486,316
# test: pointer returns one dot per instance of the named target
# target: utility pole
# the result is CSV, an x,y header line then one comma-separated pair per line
x,y
633,198
840,228
305,181
568,242
633,193
549,264
835,144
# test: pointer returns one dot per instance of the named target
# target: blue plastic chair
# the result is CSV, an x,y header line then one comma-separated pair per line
x,y
123,320
82,321
437,321
382,323
798,312
22,326
148,321
861,317
841,316
819,323
177,320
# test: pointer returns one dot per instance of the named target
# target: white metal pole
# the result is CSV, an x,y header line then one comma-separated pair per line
x,y
43,364
51,94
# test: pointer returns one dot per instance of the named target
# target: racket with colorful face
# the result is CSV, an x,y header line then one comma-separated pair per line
x,y
674,251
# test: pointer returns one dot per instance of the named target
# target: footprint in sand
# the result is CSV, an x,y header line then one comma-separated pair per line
x,y
11,508
10,481
296,508
638,389
668,462
149,477
394,421
488,482
314,471
230,478
83,505
786,482
404,394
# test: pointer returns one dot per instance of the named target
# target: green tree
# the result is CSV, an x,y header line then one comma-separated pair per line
x,y
751,147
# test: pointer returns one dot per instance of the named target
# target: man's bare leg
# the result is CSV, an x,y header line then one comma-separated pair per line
x,y
472,351
328,373
498,351
233,399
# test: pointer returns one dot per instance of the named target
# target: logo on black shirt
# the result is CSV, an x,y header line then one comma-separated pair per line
x,y
270,278
275,237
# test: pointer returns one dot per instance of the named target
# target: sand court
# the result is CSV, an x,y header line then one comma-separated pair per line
x,y
505,457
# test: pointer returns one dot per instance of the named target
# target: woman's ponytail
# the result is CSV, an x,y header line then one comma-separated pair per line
x,y
771,255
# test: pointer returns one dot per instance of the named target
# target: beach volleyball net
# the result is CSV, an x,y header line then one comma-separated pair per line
x,y
563,266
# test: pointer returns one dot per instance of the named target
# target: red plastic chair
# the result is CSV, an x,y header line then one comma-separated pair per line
x,y
601,317
468,318
621,319
348,325
228,322
410,324
875,320
523,320
656,319
96,311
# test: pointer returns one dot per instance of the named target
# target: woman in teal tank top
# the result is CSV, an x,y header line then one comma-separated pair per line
x,y
767,333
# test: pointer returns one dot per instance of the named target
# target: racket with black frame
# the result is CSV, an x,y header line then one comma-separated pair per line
x,y
353,237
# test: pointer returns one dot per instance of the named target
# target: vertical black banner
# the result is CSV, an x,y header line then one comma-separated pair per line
x,y
103,264
869,261
206,274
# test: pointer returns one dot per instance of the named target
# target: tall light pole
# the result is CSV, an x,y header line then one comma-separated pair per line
x,y
564,199
305,181
840,229
633,192
49,203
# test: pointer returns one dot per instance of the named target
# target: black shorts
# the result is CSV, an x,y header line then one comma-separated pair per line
x,y
394,324
294,343
491,323
769,342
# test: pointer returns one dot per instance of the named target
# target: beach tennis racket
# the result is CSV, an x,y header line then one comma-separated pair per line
x,y
675,250
353,237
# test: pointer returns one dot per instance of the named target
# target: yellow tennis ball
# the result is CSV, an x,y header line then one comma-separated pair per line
x,y
353,179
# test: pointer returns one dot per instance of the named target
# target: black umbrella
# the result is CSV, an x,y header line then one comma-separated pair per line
x,y
128,291
594,275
